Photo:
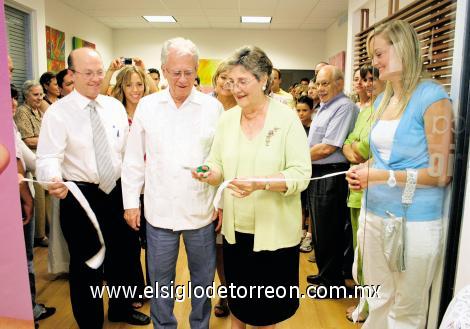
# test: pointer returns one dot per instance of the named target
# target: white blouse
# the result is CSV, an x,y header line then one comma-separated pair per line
x,y
382,136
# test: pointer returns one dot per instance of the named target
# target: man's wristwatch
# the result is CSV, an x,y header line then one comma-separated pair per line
x,y
392,182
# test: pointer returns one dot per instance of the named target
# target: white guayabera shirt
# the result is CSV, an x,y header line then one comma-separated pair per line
x,y
163,140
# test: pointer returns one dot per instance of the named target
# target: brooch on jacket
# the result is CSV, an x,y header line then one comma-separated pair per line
x,y
270,135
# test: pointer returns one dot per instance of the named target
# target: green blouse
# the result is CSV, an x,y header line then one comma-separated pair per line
x,y
360,135
282,148
244,208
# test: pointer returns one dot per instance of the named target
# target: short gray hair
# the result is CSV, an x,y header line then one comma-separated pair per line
x,y
181,46
254,60
336,72
27,85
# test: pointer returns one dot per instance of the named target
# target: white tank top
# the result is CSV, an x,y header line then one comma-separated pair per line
x,y
382,136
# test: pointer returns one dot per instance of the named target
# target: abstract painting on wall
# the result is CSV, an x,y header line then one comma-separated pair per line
x,y
55,49
79,43
206,70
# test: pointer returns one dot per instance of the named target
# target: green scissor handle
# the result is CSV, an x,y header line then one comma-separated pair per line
x,y
203,169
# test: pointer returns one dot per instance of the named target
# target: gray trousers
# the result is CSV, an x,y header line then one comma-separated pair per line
x,y
163,248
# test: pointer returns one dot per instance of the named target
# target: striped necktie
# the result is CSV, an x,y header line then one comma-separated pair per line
x,y
102,151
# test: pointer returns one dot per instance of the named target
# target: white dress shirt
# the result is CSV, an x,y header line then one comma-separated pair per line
x,y
170,138
65,147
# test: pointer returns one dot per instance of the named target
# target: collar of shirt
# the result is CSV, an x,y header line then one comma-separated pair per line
x,y
324,106
194,97
36,113
83,101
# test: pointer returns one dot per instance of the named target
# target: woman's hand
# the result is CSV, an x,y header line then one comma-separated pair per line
x,y
357,154
139,63
242,187
357,177
219,216
115,65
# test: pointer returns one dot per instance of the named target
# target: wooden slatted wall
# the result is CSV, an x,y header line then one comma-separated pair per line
x,y
434,21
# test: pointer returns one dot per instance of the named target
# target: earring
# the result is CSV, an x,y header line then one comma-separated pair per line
x,y
264,88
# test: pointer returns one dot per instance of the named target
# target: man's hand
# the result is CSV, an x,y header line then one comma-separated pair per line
x,y
218,216
58,188
202,176
27,207
132,217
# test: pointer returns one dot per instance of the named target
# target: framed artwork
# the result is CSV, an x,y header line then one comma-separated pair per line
x,y
206,70
80,43
55,40
338,60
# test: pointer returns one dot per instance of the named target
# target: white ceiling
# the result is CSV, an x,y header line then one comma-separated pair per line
x,y
220,14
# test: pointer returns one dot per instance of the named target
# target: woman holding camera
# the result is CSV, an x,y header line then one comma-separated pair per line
x,y
119,63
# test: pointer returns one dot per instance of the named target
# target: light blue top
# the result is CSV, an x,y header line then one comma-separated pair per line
x,y
409,151
334,121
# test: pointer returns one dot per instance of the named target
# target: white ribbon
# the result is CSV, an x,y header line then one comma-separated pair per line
x,y
95,261
224,185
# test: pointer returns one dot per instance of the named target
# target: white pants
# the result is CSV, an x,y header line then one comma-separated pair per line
x,y
403,297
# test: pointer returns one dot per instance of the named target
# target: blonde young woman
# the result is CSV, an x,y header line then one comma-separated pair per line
x,y
132,83
410,146
116,65
221,92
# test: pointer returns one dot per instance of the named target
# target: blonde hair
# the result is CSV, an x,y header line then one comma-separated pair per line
x,y
403,38
124,77
223,67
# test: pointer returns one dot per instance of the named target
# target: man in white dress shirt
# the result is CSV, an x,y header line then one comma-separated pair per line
x,y
174,129
82,139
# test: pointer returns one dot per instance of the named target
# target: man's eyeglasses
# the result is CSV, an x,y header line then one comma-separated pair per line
x,y
241,84
323,84
179,74
90,74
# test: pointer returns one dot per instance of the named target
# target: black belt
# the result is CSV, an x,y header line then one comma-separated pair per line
x,y
341,165
84,184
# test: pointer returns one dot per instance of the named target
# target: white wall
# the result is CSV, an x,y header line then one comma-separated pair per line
x,y
287,49
336,37
75,24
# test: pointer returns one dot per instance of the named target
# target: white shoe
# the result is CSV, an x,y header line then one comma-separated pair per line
x,y
306,245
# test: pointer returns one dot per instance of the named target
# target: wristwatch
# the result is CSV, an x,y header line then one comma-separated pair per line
x,y
392,182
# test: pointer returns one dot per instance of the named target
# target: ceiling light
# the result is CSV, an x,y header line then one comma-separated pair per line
x,y
256,19
160,19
